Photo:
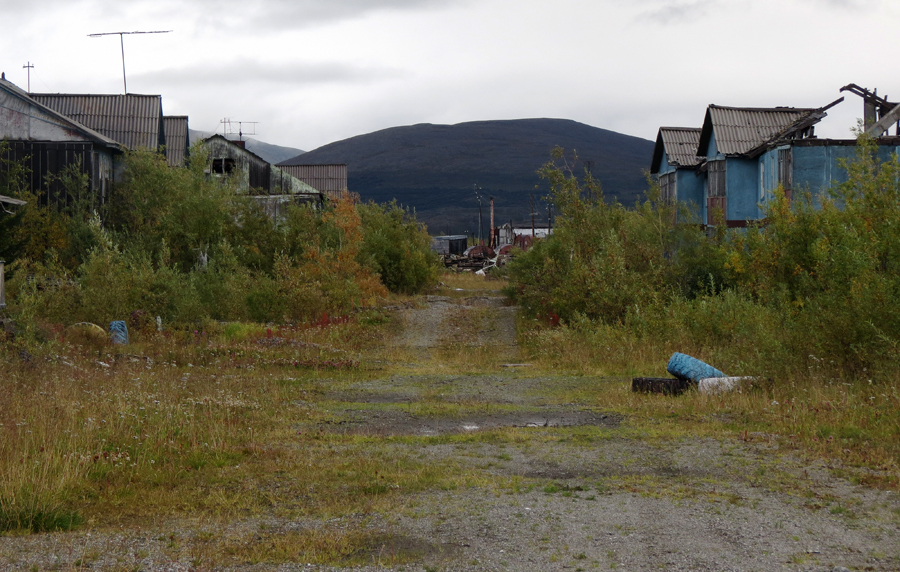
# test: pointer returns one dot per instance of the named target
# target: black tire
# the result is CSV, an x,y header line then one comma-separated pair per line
x,y
664,385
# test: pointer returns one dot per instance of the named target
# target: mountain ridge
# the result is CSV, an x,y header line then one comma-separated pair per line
x,y
433,168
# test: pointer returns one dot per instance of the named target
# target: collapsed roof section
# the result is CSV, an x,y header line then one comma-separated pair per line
x,y
747,131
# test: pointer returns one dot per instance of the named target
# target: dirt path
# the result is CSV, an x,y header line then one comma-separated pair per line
x,y
607,500
539,484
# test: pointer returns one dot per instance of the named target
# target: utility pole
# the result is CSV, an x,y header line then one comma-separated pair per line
x,y
491,242
533,237
122,43
549,218
30,67
480,219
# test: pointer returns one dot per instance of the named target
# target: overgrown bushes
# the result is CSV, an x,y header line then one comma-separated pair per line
x,y
818,283
186,247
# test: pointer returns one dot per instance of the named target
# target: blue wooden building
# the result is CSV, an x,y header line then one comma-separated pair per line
x,y
732,140
743,154
676,164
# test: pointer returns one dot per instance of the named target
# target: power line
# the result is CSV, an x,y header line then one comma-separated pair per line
x,y
122,43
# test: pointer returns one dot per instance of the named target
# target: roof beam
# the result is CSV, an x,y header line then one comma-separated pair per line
x,y
877,129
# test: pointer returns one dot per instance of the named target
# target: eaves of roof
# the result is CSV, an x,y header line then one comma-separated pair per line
x,y
740,131
679,144
63,120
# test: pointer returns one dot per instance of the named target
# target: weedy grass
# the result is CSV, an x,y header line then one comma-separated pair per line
x,y
818,412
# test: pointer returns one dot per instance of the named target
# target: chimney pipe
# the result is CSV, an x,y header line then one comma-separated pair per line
x,y
493,243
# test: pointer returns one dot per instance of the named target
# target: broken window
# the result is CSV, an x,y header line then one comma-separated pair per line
x,y
223,166
715,193
785,171
668,192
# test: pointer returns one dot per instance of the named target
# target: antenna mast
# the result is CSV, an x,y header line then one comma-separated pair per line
x,y
122,43
229,127
29,66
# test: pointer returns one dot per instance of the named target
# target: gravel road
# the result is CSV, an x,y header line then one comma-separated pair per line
x,y
601,500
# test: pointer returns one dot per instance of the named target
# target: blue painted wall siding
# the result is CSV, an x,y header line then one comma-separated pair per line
x,y
692,191
816,169
741,188
664,166
712,151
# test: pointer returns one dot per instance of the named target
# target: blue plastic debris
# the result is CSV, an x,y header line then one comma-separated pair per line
x,y
686,367
118,332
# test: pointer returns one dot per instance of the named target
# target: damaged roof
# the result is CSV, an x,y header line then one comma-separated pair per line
x,y
133,120
679,144
742,130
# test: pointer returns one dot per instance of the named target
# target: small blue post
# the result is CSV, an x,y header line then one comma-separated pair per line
x,y
118,332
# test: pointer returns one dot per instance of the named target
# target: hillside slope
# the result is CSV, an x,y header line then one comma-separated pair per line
x,y
433,168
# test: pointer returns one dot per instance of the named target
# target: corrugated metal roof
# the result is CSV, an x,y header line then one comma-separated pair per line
x,y
64,119
680,146
177,142
133,120
739,130
328,179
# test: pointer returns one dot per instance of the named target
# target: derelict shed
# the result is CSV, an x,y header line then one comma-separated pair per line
x,y
177,139
271,187
135,121
331,180
47,142
451,244
676,165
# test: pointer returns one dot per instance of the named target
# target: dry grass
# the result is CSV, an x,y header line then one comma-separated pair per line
x,y
189,424
227,425
854,421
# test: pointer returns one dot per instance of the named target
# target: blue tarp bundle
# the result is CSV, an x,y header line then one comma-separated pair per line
x,y
685,367
118,332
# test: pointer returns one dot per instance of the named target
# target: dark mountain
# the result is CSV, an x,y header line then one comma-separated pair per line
x,y
433,168
271,153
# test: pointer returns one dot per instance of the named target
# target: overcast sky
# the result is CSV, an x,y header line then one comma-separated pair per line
x,y
315,71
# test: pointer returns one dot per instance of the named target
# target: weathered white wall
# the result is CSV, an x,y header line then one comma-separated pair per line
x,y
21,121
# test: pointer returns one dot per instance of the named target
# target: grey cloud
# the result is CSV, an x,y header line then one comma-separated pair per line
x,y
242,72
241,15
677,11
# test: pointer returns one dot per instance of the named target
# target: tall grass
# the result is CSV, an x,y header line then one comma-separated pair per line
x,y
816,282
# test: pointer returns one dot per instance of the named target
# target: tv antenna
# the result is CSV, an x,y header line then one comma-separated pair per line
x,y
29,66
122,43
229,127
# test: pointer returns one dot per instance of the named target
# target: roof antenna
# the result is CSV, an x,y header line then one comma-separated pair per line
x,y
30,67
229,127
122,42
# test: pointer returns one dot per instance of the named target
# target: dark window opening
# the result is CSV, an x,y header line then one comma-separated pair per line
x,y
223,166
716,205
668,192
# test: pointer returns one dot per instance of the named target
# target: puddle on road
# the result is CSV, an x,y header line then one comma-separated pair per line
x,y
397,422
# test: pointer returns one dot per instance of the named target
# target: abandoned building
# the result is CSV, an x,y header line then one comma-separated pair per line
x,y
675,163
47,142
269,185
742,155
51,132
